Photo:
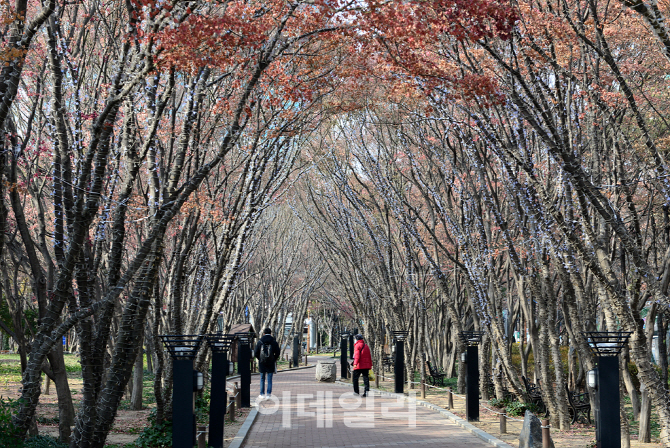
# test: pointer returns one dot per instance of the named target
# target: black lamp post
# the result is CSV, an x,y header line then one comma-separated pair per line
x,y
344,339
471,358
351,343
244,367
219,344
296,350
606,346
183,349
399,367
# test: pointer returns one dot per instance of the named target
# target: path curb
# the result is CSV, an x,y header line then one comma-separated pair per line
x,y
486,437
244,429
469,426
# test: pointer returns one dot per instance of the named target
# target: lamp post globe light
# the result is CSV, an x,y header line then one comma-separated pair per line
x,y
606,346
591,379
344,341
198,381
219,323
470,357
183,350
219,344
399,338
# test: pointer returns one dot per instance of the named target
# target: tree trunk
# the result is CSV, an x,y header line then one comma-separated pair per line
x,y
628,381
623,417
65,406
522,349
572,368
150,363
484,367
460,385
645,416
450,361
136,398
127,349
662,347
46,386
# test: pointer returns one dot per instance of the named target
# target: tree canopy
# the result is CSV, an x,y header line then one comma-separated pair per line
x,y
428,166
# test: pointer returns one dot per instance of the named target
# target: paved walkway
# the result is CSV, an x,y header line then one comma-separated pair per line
x,y
307,413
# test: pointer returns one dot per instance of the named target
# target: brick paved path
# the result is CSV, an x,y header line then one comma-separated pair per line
x,y
307,413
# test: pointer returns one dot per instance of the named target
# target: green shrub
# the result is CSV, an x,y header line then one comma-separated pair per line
x,y
517,408
156,435
451,382
202,407
9,437
159,435
42,441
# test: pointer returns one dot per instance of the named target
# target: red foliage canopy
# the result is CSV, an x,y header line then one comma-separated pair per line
x,y
392,40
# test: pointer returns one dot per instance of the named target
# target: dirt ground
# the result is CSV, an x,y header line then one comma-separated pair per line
x,y
130,420
127,426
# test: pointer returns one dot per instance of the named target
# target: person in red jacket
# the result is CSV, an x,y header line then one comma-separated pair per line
x,y
362,364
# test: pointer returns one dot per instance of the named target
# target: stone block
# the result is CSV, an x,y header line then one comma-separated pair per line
x,y
326,371
531,433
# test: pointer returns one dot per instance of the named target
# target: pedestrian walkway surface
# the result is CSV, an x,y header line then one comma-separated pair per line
x,y
306,413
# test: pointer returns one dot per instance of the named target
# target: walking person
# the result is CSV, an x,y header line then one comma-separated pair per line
x,y
362,364
267,353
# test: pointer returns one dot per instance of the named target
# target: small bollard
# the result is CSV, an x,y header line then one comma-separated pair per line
x,y
202,442
231,409
238,396
423,390
450,397
503,423
546,436
305,359
290,363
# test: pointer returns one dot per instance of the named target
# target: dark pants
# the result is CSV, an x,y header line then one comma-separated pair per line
x,y
366,379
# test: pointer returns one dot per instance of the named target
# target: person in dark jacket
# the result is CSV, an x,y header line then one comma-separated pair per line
x,y
267,353
362,364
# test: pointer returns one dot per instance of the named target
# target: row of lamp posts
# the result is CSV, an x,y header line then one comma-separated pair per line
x,y
183,350
187,381
604,379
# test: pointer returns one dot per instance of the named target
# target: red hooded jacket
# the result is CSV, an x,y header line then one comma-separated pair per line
x,y
362,356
